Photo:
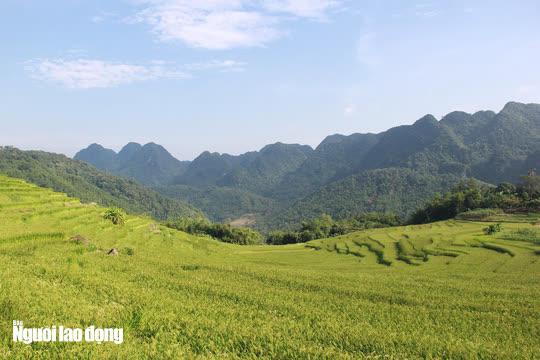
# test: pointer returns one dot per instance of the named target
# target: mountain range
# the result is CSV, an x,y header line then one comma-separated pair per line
x,y
395,170
150,164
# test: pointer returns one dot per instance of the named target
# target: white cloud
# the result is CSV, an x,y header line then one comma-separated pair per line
x,y
86,74
225,24
222,65
315,9
208,24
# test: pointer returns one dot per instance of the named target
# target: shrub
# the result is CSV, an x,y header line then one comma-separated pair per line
x,y
244,236
116,215
492,229
222,232
284,237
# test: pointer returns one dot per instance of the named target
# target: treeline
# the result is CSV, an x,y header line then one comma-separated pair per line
x,y
319,228
222,232
324,226
470,195
470,200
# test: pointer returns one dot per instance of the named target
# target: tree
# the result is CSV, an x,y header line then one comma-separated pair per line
x,y
531,186
116,215
492,229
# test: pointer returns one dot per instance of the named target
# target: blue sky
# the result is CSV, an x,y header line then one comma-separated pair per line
x,y
234,75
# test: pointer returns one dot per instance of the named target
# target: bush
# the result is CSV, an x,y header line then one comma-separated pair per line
x,y
222,232
243,236
492,229
284,237
116,215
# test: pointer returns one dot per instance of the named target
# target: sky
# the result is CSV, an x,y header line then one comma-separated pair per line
x,y
234,75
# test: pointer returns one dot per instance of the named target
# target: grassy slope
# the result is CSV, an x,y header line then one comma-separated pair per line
x,y
183,296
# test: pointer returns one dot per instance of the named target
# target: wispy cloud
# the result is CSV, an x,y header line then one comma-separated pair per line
x,y
225,24
426,10
427,13
86,74
349,110
90,74
314,9
221,65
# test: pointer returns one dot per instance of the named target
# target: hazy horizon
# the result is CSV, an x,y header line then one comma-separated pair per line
x,y
231,76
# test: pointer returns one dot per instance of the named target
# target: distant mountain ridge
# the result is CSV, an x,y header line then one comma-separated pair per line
x,y
335,157
150,164
257,171
340,175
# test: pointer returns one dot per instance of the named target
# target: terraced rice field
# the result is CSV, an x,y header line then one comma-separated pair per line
x,y
452,242
443,290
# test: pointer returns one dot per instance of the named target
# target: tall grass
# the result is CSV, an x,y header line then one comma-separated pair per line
x,y
529,234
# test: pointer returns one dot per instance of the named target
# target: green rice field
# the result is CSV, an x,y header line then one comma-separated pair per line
x,y
437,291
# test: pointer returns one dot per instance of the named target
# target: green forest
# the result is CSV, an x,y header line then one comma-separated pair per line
x,y
83,181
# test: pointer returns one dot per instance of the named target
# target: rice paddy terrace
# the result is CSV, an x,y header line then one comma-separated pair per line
x,y
442,290
450,242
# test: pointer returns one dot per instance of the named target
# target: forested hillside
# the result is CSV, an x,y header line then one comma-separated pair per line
x,y
395,190
85,182
396,170
222,204
337,156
